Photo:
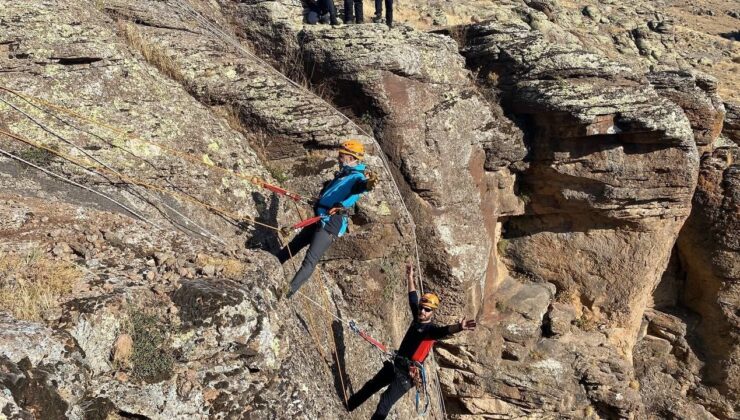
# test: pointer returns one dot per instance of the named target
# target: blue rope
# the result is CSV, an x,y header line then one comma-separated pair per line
x,y
423,390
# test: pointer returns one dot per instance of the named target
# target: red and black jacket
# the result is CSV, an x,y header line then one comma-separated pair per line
x,y
420,337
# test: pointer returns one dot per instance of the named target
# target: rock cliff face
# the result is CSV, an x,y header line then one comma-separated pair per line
x,y
551,186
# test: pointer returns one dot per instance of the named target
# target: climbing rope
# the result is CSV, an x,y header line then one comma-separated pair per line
x,y
228,38
203,231
294,197
123,134
69,181
127,179
132,181
330,331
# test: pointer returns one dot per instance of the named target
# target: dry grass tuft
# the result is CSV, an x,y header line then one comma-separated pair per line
x,y
31,284
233,269
231,115
230,268
152,54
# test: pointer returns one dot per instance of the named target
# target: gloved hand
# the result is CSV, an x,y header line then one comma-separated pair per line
x,y
468,325
372,180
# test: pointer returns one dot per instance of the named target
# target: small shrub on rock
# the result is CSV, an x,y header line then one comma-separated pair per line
x,y
152,358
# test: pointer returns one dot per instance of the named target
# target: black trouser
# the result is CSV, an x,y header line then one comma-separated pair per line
x,y
398,381
388,10
357,9
318,239
329,6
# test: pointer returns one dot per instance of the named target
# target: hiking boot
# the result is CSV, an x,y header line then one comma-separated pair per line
x,y
284,292
335,22
378,19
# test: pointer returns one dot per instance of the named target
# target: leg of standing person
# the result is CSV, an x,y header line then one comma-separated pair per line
x,y
333,13
319,244
389,13
383,378
378,11
359,15
400,385
348,5
329,5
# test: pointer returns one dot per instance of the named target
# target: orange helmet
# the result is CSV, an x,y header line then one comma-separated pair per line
x,y
430,300
354,148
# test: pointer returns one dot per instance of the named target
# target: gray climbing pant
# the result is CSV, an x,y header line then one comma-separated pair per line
x,y
321,241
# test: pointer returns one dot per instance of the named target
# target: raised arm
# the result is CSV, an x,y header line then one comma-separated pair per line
x,y
410,280
411,284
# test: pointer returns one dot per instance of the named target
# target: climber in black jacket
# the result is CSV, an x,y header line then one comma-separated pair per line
x,y
401,374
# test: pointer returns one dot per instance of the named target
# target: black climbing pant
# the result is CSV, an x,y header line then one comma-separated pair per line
x,y
388,11
348,8
398,382
328,5
318,239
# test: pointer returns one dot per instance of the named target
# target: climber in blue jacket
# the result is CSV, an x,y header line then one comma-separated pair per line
x,y
335,199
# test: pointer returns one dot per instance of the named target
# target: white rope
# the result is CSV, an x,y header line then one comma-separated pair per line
x,y
65,179
343,321
386,165
204,232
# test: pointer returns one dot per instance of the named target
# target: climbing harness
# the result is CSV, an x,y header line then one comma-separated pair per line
x,y
229,38
416,371
420,382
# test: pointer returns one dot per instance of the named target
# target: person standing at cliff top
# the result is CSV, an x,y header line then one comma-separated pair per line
x,y
318,9
388,12
335,199
404,371
348,7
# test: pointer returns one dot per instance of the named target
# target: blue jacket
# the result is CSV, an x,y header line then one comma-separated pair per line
x,y
342,191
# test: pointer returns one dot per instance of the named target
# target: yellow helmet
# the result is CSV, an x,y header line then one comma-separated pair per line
x,y
354,148
430,300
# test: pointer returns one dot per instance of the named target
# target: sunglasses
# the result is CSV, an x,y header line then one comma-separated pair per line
x,y
425,309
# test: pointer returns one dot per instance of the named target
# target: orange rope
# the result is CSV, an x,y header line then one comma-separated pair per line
x,y
311,325
133,181
330,331
123,133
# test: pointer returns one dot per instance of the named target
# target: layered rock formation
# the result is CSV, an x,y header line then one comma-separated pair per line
x,y
547,182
